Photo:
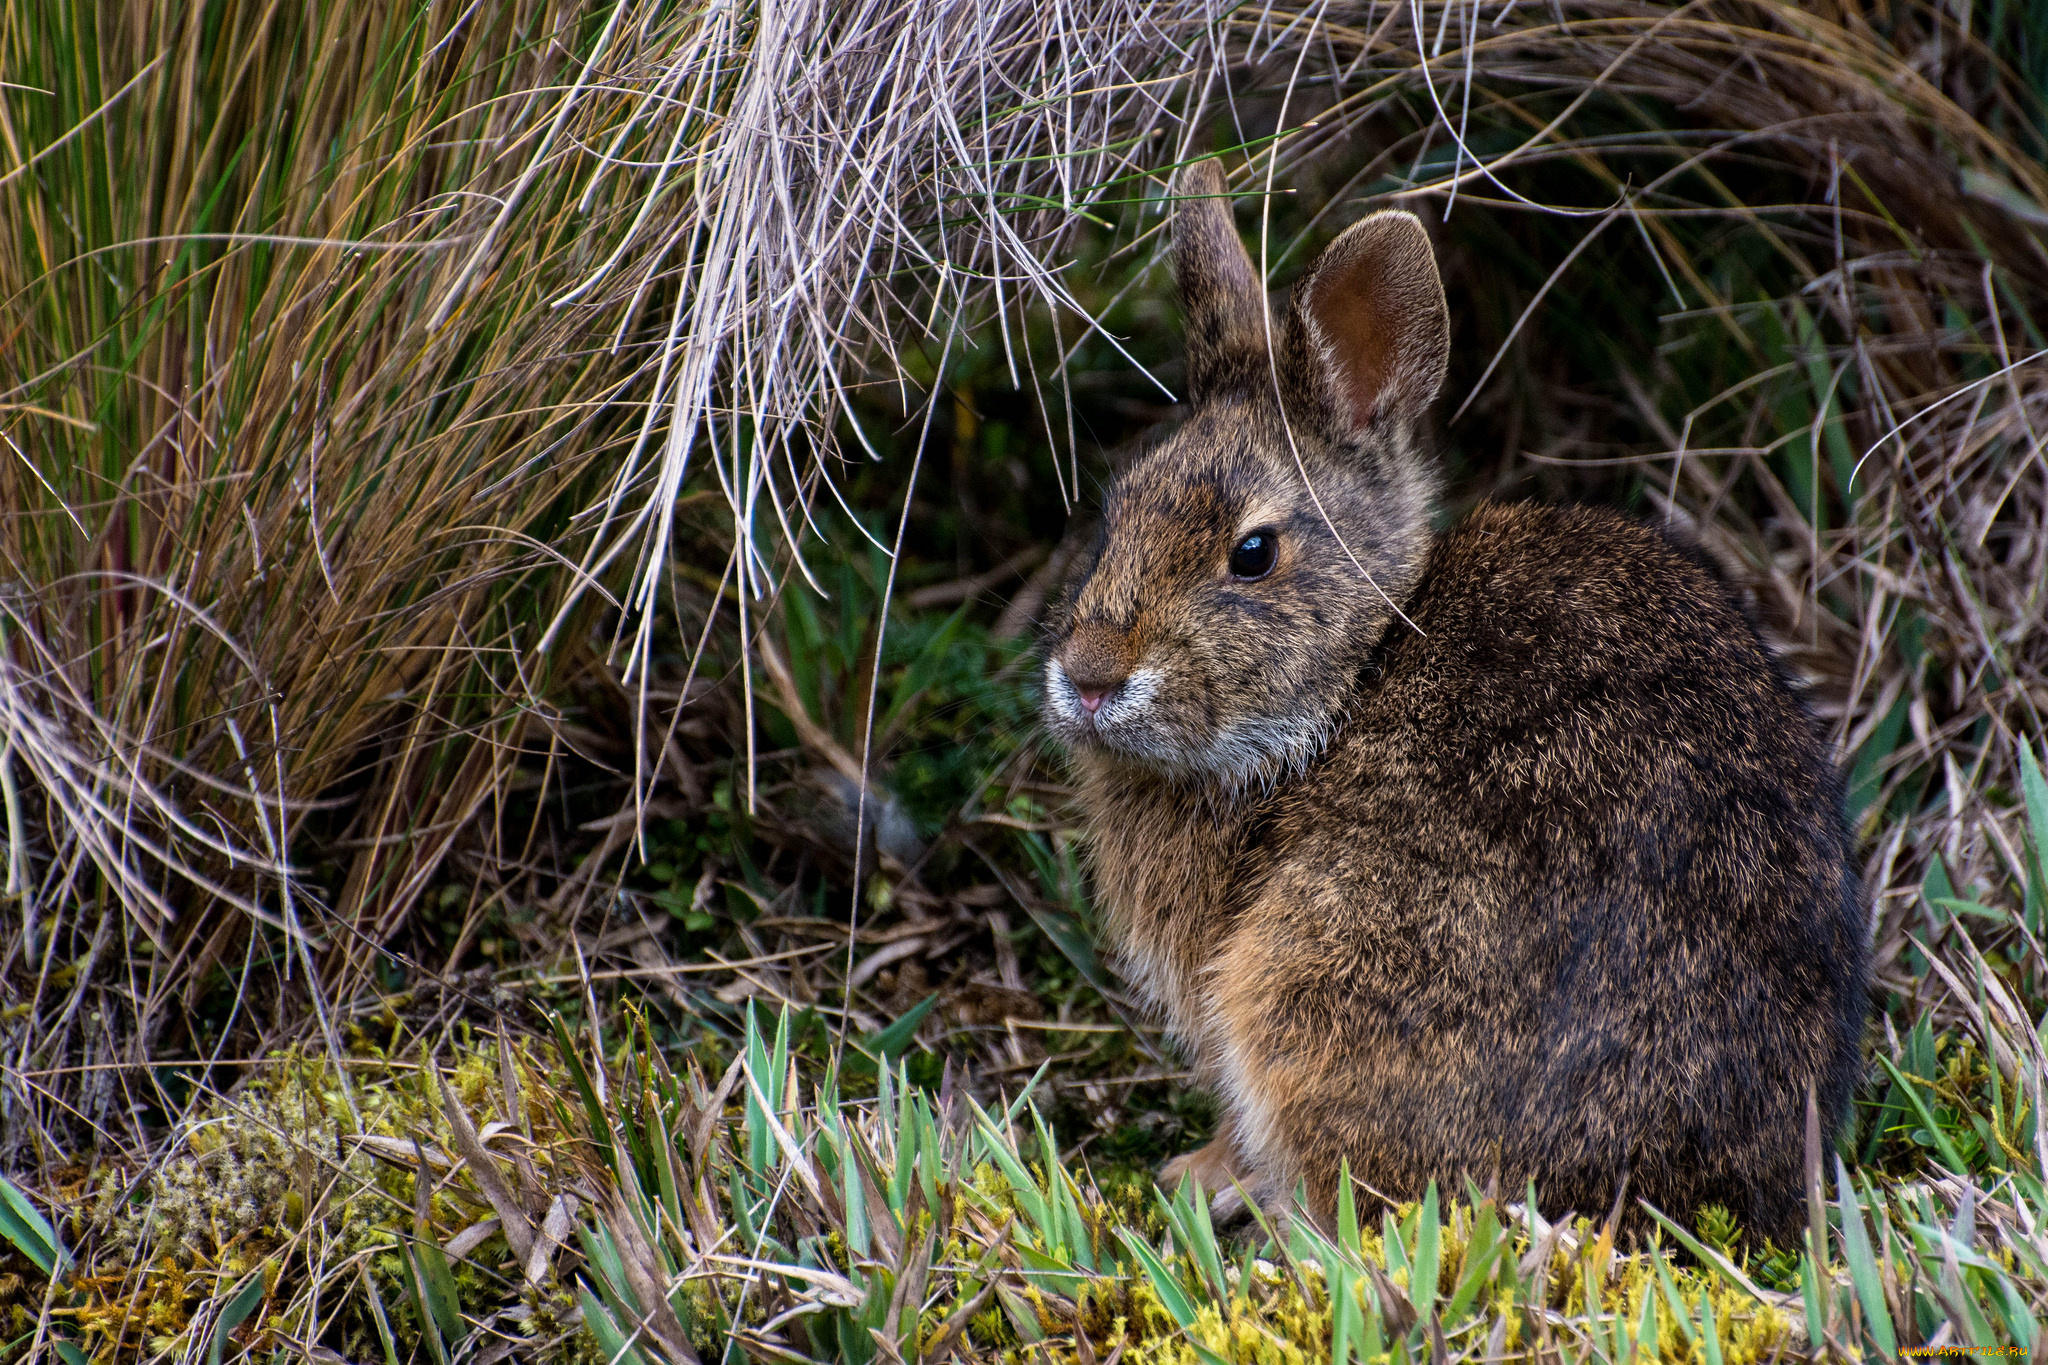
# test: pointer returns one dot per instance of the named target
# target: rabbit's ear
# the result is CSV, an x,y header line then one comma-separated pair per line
x,y
1371,315
1221,296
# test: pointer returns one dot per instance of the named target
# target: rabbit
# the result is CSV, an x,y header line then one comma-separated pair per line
x,y
1504,852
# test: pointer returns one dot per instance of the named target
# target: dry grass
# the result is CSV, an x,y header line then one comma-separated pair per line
x,y
418,422
272,545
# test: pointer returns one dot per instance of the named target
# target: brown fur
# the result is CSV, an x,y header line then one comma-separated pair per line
x,y
1503,852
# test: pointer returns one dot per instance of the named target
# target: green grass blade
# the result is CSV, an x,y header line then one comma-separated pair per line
x,y
763,1085
1482,1250
887,1044
1977,1326
2035,790
1186,1211
444,1300
1936,884
1394,1248
859,1237
233,1314
1706,1255
776,1083
1949,1155
1022,1187
572,1062
930,1155
1347,1212
2012,1306
610,1339
1080,1247
906,1134
1173,1295
1856,1250
24,1226
1977,909
1710,1332
1375,1333
425,1306
1428,1256
1346,1322
1672,1299
1812,1297
378,1316
667,1171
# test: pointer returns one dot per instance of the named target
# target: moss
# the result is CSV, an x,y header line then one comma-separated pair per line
x,y
554,1322
1271,1320
279,1179
1755,1338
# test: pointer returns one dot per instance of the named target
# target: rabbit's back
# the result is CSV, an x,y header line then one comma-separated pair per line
x,y
1568,897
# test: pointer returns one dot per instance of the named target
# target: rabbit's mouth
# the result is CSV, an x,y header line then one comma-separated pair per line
x,y
1121,716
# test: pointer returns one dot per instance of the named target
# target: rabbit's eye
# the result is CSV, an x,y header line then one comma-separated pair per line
x,y
1253,557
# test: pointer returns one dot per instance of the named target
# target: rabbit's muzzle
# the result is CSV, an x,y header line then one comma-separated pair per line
x,y
1096,692
1105,690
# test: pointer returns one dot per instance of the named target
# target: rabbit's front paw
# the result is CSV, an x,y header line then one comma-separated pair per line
x,y
1219,1170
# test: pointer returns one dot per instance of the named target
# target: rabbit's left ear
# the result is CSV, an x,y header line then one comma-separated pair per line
x,y
1222,298
1372,329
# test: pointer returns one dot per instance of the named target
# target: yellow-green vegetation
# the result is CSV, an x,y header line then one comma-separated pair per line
x,y
317,1203
675,1216
888,1228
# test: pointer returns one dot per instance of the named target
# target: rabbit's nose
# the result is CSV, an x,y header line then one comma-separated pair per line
x,y
1091,701
1097,659
1094,679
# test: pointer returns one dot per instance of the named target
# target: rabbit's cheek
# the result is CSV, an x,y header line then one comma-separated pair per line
x,y
1263,748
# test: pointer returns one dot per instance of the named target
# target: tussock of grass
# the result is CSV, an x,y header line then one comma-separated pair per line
x,y
267,538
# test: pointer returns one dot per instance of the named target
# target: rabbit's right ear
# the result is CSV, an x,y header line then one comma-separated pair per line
x,y
1370,336
1221,295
